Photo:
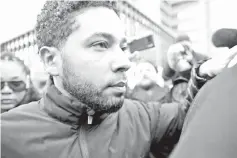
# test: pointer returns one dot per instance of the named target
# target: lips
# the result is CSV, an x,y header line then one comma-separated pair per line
x,y
7,101
120,84
119,87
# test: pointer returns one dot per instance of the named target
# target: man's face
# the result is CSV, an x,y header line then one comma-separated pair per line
x,y
147,70
93,60
147,73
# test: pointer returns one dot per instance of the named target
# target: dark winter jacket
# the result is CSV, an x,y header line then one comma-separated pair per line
x,y
56,127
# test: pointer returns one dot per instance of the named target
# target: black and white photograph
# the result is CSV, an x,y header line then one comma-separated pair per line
x,y
118,78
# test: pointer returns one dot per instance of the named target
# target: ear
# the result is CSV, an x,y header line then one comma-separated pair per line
x,y
50,57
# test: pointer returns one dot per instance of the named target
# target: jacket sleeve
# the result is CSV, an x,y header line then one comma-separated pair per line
x,y
168,127
194,85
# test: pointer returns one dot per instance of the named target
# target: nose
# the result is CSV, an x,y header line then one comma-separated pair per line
x,y
121,62
6,90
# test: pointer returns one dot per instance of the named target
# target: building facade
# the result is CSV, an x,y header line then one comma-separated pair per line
x,y
199,19
189,17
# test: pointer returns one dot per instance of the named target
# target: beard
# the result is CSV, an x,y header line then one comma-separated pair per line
x,y
88,93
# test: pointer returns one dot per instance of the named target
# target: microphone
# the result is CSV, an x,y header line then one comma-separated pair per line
x,y
225,38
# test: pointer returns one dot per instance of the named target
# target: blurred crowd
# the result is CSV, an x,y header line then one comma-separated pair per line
x,y
176,82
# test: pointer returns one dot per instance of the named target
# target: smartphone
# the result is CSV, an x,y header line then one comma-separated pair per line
x,y
142,44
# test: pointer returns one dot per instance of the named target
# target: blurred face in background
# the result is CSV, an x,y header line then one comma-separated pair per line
x,y
148,74
13,84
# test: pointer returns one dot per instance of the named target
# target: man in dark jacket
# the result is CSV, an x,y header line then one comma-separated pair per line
x,y
83,112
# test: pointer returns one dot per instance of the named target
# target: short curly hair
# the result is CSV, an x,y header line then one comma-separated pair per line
x,y
55,22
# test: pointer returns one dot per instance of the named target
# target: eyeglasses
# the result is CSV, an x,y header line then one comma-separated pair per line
x,y
16,86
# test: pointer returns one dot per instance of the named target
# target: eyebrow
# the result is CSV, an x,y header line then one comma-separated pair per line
x,y
106,36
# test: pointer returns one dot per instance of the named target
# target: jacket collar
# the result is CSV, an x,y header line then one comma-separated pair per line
x,y
65,109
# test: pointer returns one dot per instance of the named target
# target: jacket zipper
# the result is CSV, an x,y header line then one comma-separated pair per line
x,y
82,142
82,134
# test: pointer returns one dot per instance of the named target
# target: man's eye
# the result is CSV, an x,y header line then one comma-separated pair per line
x,y
99,45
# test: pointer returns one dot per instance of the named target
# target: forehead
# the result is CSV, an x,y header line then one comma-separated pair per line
x,y
96,20
11,69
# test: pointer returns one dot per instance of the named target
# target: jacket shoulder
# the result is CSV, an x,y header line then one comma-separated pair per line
x,y
22,112
22,120
154,116
24,124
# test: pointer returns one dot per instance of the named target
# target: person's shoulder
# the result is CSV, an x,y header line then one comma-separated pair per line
x,y
21,111
135,109
138,105
136,115
148,114
149,110
23,116
20,124
130,104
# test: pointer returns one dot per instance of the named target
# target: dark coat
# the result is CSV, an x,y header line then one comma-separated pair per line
x,y
56,127
210,129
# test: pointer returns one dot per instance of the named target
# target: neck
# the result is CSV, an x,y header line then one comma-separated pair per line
x,y
72,108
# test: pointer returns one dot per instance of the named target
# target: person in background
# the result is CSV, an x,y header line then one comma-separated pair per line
x,y
16,85
147,89
131,74
180,59
180,64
